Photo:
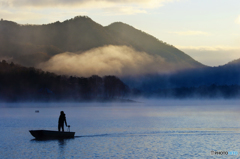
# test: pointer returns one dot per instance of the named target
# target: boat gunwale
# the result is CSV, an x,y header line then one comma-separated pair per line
x,y
51,134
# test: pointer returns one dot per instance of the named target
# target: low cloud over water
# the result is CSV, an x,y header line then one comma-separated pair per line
x,y
107,60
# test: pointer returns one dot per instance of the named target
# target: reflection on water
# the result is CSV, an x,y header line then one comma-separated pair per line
x,y
144,130
61,144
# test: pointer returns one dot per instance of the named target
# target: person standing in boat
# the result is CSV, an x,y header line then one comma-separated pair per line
x,y
61,121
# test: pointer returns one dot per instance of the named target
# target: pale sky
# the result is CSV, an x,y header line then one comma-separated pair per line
x,y
207,30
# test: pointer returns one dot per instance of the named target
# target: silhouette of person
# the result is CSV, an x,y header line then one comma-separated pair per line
x,y
61,120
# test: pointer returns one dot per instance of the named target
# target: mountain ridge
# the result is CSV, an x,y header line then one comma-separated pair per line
x,y
151,45
40,43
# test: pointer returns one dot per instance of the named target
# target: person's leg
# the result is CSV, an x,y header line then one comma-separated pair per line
x,y
59,127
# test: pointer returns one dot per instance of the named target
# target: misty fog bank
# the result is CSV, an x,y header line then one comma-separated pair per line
x,y
36,85
140,102
108,60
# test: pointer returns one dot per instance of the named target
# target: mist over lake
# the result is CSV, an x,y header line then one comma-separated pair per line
x,y
147,129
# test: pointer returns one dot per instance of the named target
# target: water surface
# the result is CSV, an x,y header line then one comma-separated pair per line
x,y
152,129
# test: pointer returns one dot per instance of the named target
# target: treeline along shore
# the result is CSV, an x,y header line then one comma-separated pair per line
x,y
28,84
18,83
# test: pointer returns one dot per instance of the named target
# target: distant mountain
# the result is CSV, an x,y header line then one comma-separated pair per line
x,y
225,75
41,42
80,33
30,45
142,41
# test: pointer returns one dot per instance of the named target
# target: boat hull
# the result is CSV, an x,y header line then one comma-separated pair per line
x,y
48,134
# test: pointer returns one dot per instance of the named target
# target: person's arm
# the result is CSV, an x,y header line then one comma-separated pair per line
x,y
65,121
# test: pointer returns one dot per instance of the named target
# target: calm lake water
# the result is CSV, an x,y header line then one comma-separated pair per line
x,y
151,129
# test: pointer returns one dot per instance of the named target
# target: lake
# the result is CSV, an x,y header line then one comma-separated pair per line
x,y
150,129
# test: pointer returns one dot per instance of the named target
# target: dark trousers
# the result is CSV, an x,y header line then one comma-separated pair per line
x,y
61,126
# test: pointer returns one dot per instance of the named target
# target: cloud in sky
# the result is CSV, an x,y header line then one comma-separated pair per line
x,y
26,15
238,20
107,60
22,15
190,32
212,55
124,10
119,6
79,3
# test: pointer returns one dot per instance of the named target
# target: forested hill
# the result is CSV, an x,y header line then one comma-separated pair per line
x,y
211,82
79,33
21,84
40,42
30,45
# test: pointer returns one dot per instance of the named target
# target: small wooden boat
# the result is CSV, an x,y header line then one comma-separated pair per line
x,y
49,134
